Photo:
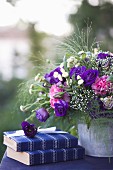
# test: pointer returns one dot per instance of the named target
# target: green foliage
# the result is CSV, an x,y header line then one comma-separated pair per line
x,y
37,47
9,114
99,17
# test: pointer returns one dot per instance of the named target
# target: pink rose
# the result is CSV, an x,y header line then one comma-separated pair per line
x,y
53,101
101,85
54,90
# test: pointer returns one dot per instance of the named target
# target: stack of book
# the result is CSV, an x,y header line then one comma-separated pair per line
x,y
43,148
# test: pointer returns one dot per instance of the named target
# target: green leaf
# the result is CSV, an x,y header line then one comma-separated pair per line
x,y
110,78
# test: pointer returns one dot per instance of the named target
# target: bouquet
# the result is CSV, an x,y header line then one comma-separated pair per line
x,y
78,88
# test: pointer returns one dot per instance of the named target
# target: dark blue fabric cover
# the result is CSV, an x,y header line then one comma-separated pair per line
x,y
56,155
44,141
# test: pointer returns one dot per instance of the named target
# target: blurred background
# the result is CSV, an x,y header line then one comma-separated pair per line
x,y
30,31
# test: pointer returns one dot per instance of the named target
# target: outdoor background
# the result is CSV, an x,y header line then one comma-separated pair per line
x,y
30,31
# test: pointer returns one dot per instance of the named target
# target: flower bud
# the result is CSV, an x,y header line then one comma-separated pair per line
x,y
42,115
22,108
37,77
81,81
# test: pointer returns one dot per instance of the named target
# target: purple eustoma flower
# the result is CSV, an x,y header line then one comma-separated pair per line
x,y
42,115
77,71
50,78
102,55
61,108
29,129
89,76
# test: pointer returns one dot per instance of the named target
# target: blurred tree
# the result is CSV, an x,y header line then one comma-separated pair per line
x,y
99,18
37,48
10,114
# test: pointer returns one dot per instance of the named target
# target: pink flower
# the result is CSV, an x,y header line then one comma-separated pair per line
x,y
53,101
54,90
101,85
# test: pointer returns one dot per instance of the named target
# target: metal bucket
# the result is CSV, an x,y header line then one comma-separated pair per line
x,y
97,140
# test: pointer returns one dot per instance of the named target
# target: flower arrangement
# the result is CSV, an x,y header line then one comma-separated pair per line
x,y
80,87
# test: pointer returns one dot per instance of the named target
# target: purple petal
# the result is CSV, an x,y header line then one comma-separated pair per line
x,y
24,124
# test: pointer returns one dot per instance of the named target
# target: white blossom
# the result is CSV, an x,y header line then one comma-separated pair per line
x,y
22,108
61,65
55,75
30,91
62,70
65,74
37,77
59,77
78,77
80,52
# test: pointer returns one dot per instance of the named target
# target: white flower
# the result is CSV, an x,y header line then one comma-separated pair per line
x,y
95,50
62,70
78,77
61,65
30,91
31,86
70,81
80,81
80,52
59,77
37,77
55,75
22,108
68,65
71,59
65,74
76,65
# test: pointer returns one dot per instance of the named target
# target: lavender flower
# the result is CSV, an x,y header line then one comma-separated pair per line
x,y
29,129
61,108
66,97
89,76
77,71
42,115
50,78
102,55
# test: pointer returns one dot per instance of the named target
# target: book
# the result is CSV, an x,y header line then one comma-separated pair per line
x,y
41,141
47,156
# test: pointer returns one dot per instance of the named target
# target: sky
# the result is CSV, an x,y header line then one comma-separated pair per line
x,y
51,15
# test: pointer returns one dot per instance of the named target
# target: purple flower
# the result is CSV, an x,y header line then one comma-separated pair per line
x,y
29,129
61,108
66,97
77,71
102,55
89,76
42,115
50,78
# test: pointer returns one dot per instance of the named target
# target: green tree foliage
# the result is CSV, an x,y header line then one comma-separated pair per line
x,y
99,18
10,118
37,48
